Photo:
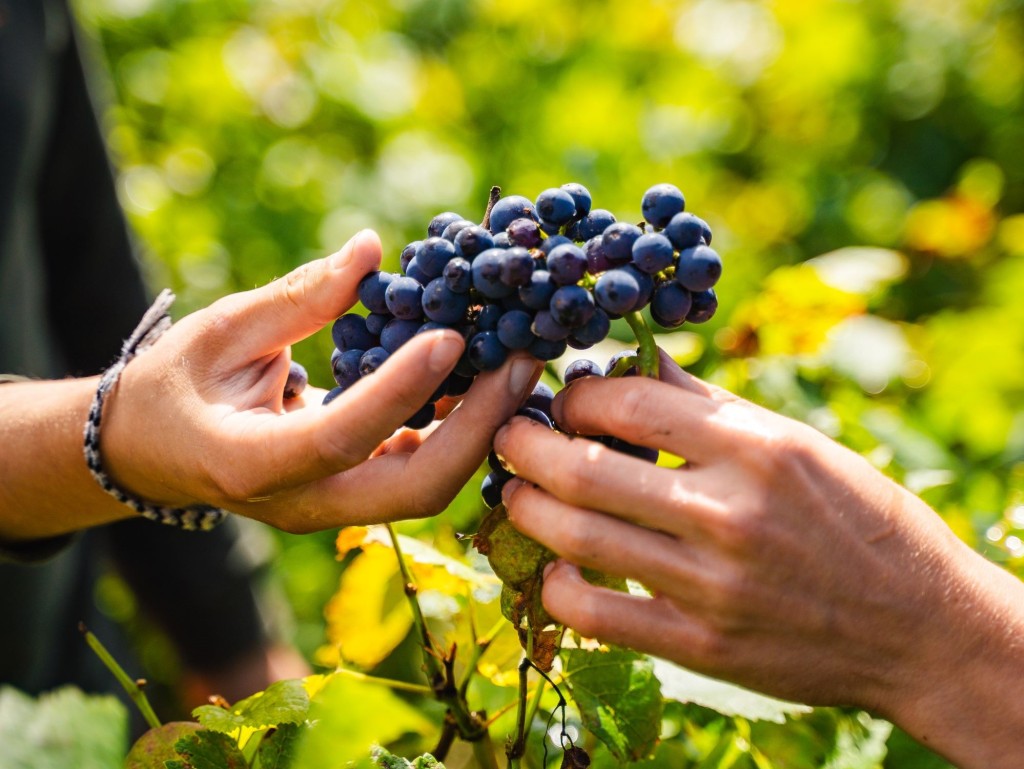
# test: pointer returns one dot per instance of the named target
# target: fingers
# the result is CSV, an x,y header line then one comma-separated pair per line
x,y
645,412
671,373
587,474
299,304
312,443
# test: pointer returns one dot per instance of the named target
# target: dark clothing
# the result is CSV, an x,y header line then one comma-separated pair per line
x,y
70,291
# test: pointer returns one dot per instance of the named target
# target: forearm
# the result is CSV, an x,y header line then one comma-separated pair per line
x,y
45,486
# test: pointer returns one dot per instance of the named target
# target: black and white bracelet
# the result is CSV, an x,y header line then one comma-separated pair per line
x,y
153,324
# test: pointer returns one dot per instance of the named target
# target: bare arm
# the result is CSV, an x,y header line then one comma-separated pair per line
x,y
777,558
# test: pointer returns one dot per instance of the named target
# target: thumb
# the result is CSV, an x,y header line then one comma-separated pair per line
x,y
293,307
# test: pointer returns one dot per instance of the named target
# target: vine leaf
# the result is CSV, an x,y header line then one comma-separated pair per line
x,y
619,699
277,749
157,746
207,750
283,702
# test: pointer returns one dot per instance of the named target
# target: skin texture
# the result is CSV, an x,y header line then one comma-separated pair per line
x,y
776,558
200,417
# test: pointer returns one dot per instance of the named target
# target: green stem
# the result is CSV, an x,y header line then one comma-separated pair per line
x,y
130,686
402,686
648,353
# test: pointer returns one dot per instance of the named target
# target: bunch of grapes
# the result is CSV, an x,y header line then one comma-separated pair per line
x,y
539,276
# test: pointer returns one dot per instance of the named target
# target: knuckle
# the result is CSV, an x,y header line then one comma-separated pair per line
x,y
709,646
632,410
577,542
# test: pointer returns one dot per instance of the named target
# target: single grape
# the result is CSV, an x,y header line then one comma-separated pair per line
x,y
414,271
507,210
652,253
452,230
617,242
490,490
670,305
592,225
376,321
538,292
296,382
458,275
456,385
372,288
644,281
516,267
597,260
372,360
421,418
486,352
349,332
580,196
540,398
408,253
487,274
581,368
433,255
555,207
332,394
591,332
494,462
547,349
567,264
614,361
686,231
536,415
397,332
345,367
443,305
705,303
546,327
661,202
472,240
438,223
488,317
405,298
624,447
617,291
525,233
502,240
699,268
514,330
549,244
572,306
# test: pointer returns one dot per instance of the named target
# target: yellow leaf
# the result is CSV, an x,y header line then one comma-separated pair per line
x,y
350,538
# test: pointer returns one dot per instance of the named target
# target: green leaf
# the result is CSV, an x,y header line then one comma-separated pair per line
x,y
277,749
619,699
351,716
283,702
207,750
860,743
156,746
65,728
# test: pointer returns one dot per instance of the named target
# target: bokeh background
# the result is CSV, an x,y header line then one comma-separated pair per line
x,y
861,165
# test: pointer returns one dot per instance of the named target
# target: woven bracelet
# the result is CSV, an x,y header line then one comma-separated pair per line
x,y
153,324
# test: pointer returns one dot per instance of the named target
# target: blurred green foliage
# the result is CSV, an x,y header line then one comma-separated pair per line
x,y
252,136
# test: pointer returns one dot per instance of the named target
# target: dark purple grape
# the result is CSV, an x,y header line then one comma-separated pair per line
x,y
456,385
433,255
624,447
644,281
540,398
487,318
597,261
591,332
514,330
525,233
397,332
581,368
516,267
547,349
614,361
536,415
438,223
703,308
670,305
652,253
593,224
372,288
617,242
580,196
546,327
555,207
567,264
443,305
349,333
572,306
332,394
486,352
501,240
458,275
376,321
414,271
661,202
404,298
617,291
686,231
513,302
452,230
421,418
490,490
345,367
296,382
538,292
497,467
372,360
549,244
507,210
472,240
408,253
487,274
699,268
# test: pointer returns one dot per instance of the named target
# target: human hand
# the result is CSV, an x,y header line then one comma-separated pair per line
x,y
200,416
777,558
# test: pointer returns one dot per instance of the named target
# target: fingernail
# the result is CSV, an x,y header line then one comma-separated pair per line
x,y
557,412
343,258
499,439
445,352
508,491
520,378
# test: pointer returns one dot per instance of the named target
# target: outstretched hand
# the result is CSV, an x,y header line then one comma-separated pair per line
x,y
200,416
776,558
